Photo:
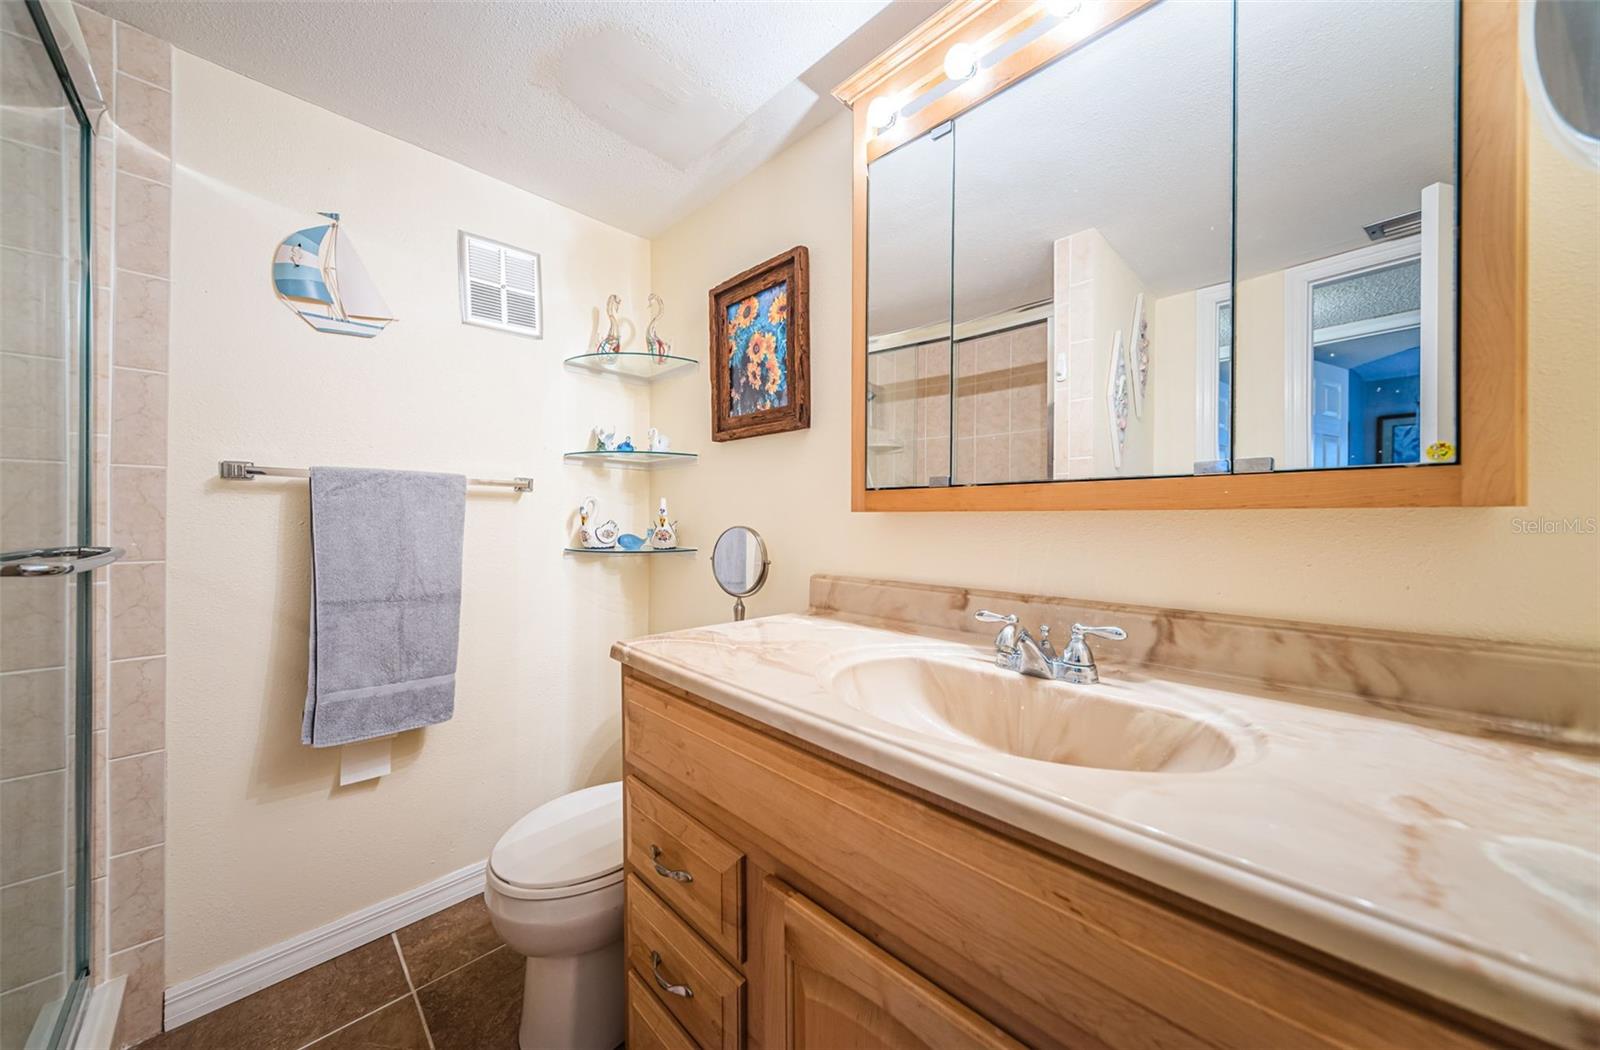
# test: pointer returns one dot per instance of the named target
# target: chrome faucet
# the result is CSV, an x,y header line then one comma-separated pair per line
x,y
1015,650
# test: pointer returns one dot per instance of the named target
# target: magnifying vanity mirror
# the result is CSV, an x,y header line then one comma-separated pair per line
x,y
739,563
1153,254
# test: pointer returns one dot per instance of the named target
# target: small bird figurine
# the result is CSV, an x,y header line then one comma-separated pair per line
x,y
612,343
653,342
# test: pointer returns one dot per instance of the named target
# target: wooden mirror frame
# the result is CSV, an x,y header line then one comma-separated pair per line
x,y
1492,351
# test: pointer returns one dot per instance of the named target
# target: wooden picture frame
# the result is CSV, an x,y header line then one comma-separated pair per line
x,y
1492,290
768,390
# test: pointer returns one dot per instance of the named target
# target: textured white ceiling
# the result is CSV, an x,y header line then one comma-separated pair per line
x,y
634,113
1346,111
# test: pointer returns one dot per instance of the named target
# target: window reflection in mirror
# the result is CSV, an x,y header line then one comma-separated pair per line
x,y
1092,210
1345,281
908,314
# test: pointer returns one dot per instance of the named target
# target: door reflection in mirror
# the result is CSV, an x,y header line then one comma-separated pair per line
x,y
1346,268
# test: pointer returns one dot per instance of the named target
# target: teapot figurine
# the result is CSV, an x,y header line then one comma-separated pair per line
x,y
594,537
656,441
664,533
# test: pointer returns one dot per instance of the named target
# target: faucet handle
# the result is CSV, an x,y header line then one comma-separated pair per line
x,y
1005,643
1116,634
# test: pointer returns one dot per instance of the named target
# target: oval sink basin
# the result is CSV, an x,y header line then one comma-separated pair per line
x,y
969,702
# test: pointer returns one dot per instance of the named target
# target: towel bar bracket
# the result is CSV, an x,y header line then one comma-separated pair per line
x,y
245,470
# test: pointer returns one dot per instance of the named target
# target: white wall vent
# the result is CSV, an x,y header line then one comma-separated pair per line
x,y
500,286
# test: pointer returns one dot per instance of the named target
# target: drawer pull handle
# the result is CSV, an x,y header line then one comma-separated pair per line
x,y
682,991
665,872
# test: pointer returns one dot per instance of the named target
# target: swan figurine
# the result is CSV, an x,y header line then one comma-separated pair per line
x,y
653,342
612,343
664,533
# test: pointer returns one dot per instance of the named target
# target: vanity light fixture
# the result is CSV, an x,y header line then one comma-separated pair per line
x,y
961,62
882,113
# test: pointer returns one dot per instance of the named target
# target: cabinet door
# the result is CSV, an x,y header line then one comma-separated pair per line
x,y
841,992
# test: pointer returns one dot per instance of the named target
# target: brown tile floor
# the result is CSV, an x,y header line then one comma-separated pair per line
x,y
443,982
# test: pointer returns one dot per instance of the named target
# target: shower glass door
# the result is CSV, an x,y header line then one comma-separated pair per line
x,y
46,562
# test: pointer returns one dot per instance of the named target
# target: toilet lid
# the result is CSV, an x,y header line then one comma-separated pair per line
x,y
573,839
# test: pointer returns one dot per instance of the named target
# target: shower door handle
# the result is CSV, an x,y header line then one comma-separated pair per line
x,y
56,561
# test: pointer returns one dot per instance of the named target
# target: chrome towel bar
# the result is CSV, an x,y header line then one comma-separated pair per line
x,y
244,470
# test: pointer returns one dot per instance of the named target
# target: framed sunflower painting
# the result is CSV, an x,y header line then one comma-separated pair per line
x,y
761,350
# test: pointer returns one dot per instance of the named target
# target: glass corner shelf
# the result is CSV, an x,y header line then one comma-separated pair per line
x,y
641,550
630,365
636,458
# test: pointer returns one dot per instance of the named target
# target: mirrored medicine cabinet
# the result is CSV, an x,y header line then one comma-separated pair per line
x,y
1168,254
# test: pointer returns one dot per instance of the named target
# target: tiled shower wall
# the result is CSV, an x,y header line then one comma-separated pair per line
x,y
132,205
1001,413
39,247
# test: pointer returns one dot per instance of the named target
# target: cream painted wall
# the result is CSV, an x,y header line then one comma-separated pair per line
x,y
1469,571
263,844
1171,397
1258,410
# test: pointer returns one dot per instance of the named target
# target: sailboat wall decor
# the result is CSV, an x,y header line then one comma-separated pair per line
x,y
319,276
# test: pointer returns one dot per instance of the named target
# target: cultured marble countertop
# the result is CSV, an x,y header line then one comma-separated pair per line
x,y
1465,866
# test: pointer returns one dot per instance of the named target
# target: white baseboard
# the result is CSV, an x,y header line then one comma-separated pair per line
x,y
242,977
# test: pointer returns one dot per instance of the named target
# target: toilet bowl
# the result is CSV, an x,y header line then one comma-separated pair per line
x,y
554,892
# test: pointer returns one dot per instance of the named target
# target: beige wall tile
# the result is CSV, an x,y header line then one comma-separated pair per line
x,y
33,407
1030,344
1027,455
1028,402
19,1008
33,819
31,915
993,409
33,512
137,801
141,331
139,512
102,490
97,33
101,617
138,418
33,622
30,209
144,125
30,304
138,706
104,196
32,94
138,610
993,458
135,896
33,722
144,211
145,968
97,927
99,832
144,56
966,468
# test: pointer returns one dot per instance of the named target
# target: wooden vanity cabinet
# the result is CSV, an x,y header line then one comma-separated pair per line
x,y
780,898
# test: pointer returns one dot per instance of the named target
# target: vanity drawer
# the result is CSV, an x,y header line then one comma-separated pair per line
x,y
663,952
650,1027
689,867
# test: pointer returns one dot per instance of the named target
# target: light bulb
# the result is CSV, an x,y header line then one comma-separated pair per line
x,y
1063,8
882,113
961,62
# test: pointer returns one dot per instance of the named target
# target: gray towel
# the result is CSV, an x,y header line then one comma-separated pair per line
x,y
385,602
